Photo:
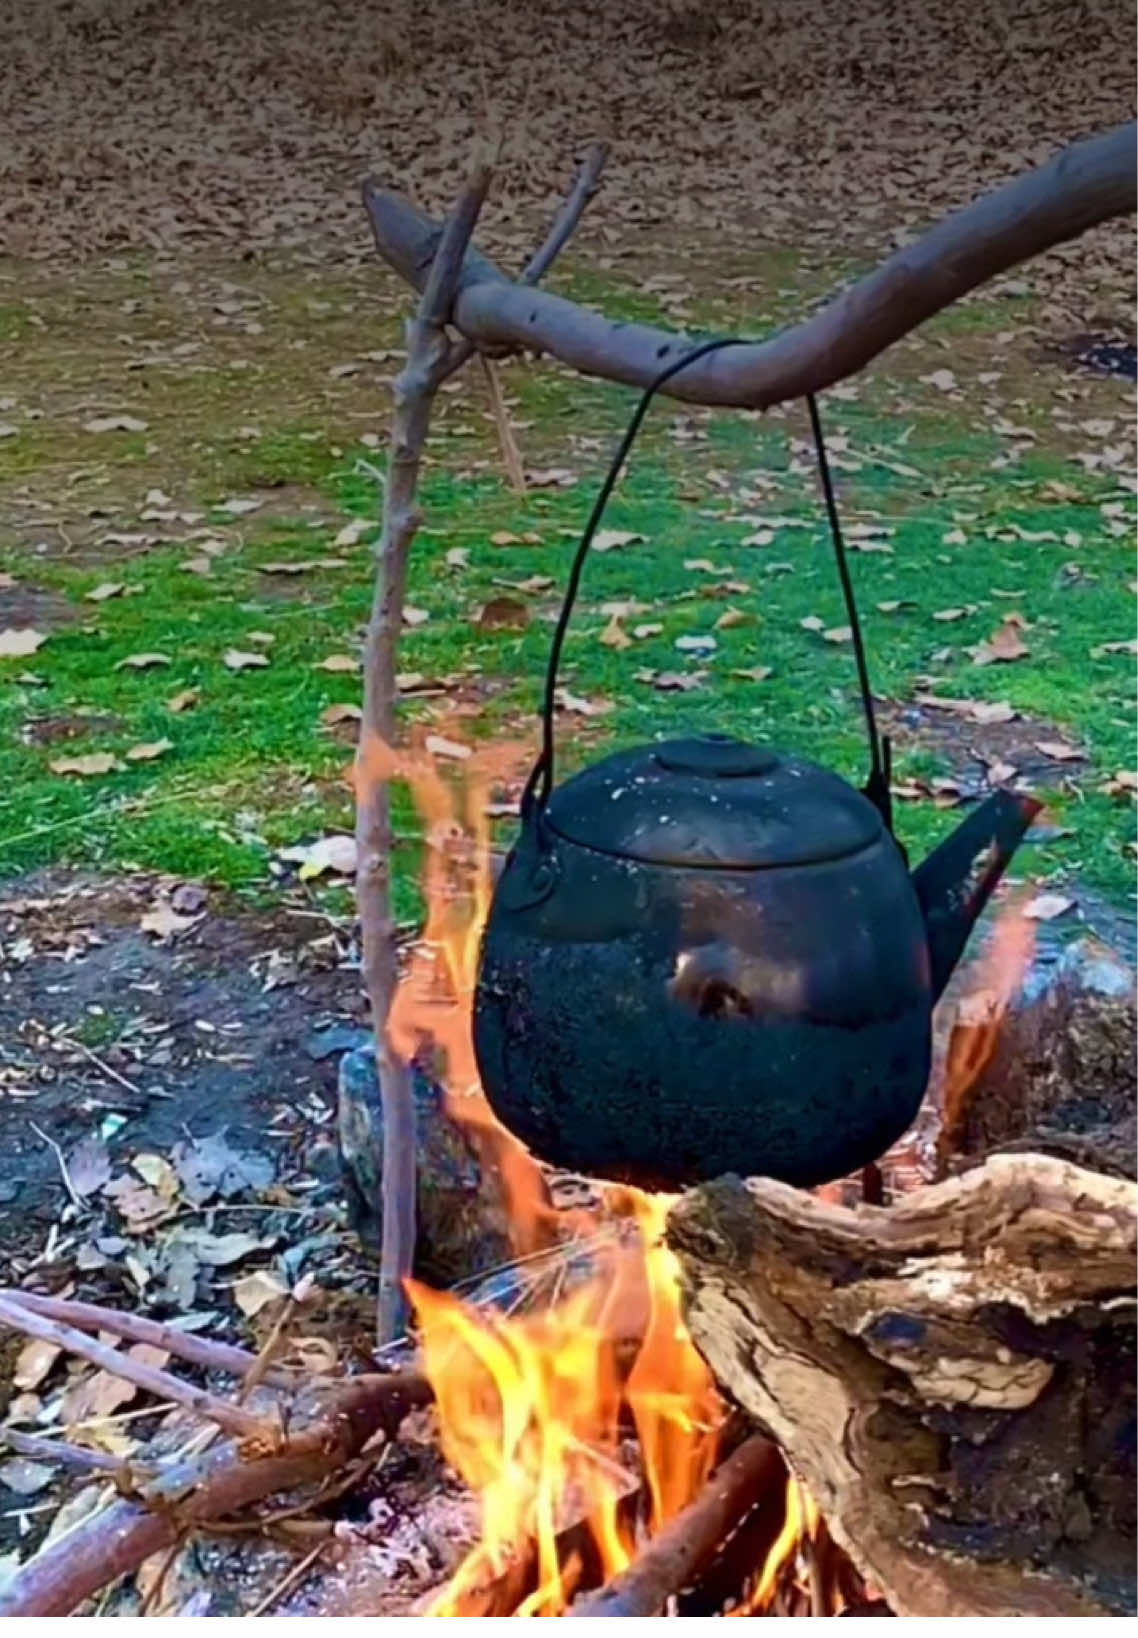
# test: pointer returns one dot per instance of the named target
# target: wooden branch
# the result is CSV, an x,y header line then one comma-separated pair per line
x,y
60,1453
1084,185
428,352
511,455
431,358
161,1383
195,1350
115,1541
952,1377
689,1541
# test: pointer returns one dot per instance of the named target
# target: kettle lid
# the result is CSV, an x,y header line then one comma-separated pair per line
x,y
713,802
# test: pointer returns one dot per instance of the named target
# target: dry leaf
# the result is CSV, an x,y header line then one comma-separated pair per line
x,y
18,641
149,750
33,1362
1124,783
674,682
142,662
999,773
115,423
336,853
239,506
1130,646
96,762
581,707
158,1174
811,622
352,533
197,565
89,1166
303,565
1046,906
183,701
551,477
255,1291
1003,645
838,634
942,380
504,537
615,636
1059,751
415,617
981,711
341,713
236,659
106,589
449,748
338,662
503,614
652,629
945,615
753,673
164,921
731,617
696,645
458,558
611,540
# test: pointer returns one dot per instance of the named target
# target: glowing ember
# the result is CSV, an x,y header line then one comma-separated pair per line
x,y
536,1409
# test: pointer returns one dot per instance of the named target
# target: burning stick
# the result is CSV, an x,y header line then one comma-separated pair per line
x,y
670,1561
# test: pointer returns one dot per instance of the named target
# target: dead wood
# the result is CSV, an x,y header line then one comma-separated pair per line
x,y
188,1493
1088,183
952,1377
680,1550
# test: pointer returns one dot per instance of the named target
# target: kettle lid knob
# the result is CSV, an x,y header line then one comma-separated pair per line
x,y
716,756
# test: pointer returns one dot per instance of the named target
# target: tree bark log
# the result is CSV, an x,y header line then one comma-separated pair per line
x,y
1081,186
952,1377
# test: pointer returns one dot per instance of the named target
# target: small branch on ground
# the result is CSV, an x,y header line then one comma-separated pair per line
x,y
160,1383
77,1457
195,1350
511,455
674,1556
189,1493
1081,186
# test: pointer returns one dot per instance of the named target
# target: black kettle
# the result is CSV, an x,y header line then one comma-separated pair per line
x,y
705,956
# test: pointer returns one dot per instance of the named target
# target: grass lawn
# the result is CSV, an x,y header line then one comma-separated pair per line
x,y
979,479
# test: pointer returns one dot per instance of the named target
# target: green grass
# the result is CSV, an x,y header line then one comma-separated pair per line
x,y
252,768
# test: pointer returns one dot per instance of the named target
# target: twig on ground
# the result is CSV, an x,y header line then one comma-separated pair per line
x,y
673,1556
101,1065
73,1195
77,1457
290,1581
162,1383
115,1541
195,1350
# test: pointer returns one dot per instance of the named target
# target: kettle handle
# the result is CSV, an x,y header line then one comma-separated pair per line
x,y
539,785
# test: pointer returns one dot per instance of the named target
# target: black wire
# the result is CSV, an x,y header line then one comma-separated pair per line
x,y
540,781
878,785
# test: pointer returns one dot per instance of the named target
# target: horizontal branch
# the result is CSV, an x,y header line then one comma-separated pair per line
x,y
1082,186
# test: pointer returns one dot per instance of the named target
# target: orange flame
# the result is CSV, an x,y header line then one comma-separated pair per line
x,y
534,1407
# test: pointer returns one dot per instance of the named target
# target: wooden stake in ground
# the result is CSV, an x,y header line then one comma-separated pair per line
x,y
431,358
429,353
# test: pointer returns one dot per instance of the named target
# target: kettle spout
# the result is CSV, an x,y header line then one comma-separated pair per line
x,y
956,880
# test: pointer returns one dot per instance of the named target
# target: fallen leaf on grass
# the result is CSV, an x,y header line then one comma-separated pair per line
x,y
1000,773
236,659
238,506
19,641
981,711
1059,751
342,713
255,1291
353,532
732,617
551,477
338,662
611,540
942,380
415,617
581,707
107,589
811,622
673,682
33,1362
96,762
615,636
838,634
1005,644
303,565
335,853
651,629
753,673
149,750
197,565
142,662
1046,906
503,614
947,615
1124,783
115,423
183,701
1130,646
696,645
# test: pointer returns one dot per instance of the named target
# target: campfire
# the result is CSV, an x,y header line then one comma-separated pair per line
x,y
575,1405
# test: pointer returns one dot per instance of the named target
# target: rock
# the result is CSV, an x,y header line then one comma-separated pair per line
x,y
462,1228
1061,1078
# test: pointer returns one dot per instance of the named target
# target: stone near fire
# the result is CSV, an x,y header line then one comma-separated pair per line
x,y
461,1227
